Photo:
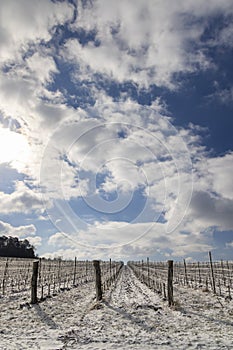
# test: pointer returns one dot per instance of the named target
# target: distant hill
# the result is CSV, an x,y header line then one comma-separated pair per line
x,y
13,247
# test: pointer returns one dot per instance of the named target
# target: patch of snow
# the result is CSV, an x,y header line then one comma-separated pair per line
x,y
130,317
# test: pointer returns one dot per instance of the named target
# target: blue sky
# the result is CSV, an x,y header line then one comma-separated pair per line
x,y
116,128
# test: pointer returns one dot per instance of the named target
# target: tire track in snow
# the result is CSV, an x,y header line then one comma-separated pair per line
x,y
130,293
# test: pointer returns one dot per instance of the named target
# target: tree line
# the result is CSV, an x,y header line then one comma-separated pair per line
x,y
13,247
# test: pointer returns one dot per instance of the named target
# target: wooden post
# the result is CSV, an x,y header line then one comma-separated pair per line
x,y
142,278
195,278
86,266
170,283
212,273
185,273
219,286
223,274
110,262
229,280
199,273
99,293
164,291
75,266
5,277
49,279
59,274
148,271
34,282
39,270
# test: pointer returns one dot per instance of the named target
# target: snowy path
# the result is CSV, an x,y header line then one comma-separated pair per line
x,y
130,317
126,317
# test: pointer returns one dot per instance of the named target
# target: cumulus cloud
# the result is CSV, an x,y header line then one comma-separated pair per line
x,y
106,153
144,42
212,210
154,241
59,239
42,67
22,232
27,67
19,231
144,152
220,169
36,241
32,23
22,200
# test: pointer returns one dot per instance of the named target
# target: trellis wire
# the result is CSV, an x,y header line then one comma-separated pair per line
x,y
216,276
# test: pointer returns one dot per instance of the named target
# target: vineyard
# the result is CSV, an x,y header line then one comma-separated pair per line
x,y
94,305
216,277
51,276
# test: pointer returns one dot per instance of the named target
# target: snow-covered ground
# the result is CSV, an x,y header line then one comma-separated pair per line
x,y
131,316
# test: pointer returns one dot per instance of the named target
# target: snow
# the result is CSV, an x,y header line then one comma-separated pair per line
x,y
130,317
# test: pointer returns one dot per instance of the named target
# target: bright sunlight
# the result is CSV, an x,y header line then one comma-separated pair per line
x,y
14,148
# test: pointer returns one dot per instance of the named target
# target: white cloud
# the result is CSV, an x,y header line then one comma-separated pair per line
x,y
42,67
211,207
59,239
141,157
212,211
225,96
25,22
220,169
14,149
125,163
229,245
27,68
145,42
22,232
155,241
19,231
226,36
22,200
36,241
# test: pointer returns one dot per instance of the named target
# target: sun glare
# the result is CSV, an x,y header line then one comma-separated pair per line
x,y
14,147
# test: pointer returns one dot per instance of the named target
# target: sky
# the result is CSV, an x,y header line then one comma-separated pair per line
x,y
116,128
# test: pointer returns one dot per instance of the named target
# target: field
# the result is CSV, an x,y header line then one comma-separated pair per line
x,y
132,315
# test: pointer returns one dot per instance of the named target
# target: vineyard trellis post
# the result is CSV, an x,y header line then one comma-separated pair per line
x,y
223,274
35,270
99,293
212,273
185,273
148,271
86,270
229,281
75,267
170,283
110,263
5,277
59,273
39,271
142,271
164,291
199,273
